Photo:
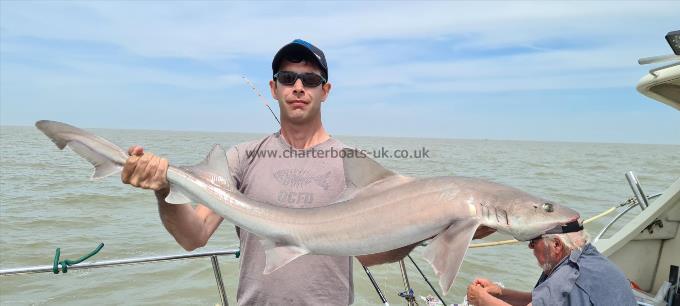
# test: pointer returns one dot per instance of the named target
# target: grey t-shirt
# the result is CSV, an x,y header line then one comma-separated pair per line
x,y
270,170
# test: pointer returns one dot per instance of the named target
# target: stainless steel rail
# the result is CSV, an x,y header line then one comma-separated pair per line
x,y
640,197
637,189
132,261
621,214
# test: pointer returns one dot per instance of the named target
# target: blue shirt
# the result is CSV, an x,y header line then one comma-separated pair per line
x,y
583,278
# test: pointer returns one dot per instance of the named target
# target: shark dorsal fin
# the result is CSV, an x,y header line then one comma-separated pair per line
x,y
214,169
361,170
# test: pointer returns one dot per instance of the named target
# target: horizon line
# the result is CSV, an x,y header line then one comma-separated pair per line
x,y
368,136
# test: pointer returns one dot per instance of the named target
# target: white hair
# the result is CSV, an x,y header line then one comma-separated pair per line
x,y
572,241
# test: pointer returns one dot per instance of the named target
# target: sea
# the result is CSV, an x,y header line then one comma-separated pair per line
x,y
48,201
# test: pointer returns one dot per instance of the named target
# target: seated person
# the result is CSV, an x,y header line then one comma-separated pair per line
x,y
574,273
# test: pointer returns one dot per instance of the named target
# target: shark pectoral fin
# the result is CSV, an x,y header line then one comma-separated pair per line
x,y
447,250
279,256
177,196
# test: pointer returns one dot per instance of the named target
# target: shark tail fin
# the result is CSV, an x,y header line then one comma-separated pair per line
x,y
214,170
106,157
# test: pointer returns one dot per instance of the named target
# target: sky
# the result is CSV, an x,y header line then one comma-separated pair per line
x,y
545,71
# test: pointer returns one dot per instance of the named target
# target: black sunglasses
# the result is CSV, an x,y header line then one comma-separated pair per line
x,y
309,79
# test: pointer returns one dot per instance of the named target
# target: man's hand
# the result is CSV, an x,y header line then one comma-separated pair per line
x,y
477,295
145,170
483,231
490,287
386,257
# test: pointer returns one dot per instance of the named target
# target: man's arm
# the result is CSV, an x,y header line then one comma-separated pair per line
x,y
400,253
515,298
191,227
386,257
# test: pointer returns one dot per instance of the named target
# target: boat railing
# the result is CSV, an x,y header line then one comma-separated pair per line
x,y
639,199
140,260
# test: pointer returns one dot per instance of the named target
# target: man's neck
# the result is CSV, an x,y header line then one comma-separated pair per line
x,y
303,136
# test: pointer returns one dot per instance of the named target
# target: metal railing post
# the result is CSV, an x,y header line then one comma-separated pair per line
x,y
637,190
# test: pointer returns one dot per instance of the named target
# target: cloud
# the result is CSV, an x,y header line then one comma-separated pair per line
x,y
382,55
230,29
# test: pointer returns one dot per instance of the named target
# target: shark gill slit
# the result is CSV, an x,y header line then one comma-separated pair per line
x,y
502,217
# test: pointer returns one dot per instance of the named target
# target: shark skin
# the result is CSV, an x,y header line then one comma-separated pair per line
x,y
379,211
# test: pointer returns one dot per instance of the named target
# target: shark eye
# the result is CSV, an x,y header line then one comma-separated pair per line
x,y
548,207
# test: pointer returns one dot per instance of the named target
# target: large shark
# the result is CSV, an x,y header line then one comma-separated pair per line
x,y
379,210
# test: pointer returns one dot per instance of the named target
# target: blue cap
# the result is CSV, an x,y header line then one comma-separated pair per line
x,y
299,50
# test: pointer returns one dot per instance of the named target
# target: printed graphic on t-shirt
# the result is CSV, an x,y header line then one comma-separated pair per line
x,y
292,197
299,178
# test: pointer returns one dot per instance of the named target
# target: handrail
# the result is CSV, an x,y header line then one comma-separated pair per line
x,y
621,214
117,262
131,261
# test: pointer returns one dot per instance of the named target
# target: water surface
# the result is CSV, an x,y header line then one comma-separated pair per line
x,y
47,201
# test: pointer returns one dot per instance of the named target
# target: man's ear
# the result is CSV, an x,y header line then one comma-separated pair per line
x,y
557,245
326,90
272,88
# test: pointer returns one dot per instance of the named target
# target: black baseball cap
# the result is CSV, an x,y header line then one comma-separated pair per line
x,y
298,50
570,227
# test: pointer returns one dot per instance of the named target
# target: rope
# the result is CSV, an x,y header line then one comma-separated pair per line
x,y
67,262
408,294
510,241
606,212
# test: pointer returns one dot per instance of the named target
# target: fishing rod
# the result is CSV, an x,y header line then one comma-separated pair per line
x,y
252,86
375,285
426,280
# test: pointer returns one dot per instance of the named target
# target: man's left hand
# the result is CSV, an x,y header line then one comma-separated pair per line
x,y
483,231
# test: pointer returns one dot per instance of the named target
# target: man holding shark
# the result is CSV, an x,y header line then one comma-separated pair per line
x,y
300,85
378,216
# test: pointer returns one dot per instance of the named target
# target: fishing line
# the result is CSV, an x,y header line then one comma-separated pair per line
x,y
252,86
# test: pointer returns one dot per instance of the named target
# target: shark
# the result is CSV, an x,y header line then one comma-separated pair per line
x,y
378,211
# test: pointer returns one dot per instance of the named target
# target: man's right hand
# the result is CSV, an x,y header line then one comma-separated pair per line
x,y
145,170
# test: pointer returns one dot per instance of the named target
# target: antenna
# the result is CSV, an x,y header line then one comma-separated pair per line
x,y
261,97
